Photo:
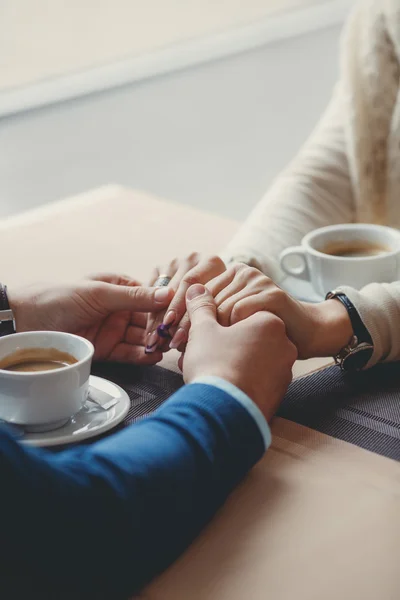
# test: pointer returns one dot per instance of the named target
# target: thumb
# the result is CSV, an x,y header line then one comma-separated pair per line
x,y
134,298
200,305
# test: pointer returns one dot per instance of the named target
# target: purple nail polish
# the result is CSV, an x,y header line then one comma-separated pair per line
x,y
152,343
162,330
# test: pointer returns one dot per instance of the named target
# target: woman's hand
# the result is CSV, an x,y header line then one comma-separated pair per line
x,y
316,329
183,274
109,310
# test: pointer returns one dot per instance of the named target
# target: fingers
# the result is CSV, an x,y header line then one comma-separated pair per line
x,y
273,300
135,336
114,279
181,335
220,282
181,360
227,308
175,271
112,298
127,353
190,271
139,319
244,278
200,305
247,283
202,273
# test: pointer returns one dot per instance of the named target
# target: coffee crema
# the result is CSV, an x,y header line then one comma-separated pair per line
x,y
29,360
356,249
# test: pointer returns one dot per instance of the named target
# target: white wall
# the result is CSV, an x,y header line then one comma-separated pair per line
x,y
213,137
42,38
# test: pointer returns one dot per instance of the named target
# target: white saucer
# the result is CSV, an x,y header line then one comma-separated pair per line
x,y
300,289
90,421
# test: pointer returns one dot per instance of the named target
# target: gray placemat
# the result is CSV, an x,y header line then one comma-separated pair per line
x,y
362,408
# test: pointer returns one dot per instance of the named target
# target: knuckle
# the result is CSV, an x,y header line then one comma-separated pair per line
x,y
246,274
136,292
238,267
273,324
242,268
233,270
254,273
201,305
275,296
262,280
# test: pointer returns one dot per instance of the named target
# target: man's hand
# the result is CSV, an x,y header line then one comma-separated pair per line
x,y
109,310
255,354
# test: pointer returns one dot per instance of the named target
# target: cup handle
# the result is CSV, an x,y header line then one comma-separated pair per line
x,y
301,272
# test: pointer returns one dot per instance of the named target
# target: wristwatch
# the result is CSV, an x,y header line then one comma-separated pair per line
x,y
360,349
7,321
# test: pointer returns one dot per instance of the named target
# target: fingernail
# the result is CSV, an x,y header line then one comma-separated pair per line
x,y
178,339
161,294
195,291
169,318
152,342
162,331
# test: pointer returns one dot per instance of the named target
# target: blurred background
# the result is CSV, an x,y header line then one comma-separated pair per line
x,y
200,102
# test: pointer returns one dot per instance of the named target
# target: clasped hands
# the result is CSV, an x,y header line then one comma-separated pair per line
x,y
121,317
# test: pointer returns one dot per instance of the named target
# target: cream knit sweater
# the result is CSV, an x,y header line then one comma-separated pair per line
x,y
349,169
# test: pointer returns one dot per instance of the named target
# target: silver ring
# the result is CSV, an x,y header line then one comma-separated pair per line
x,y
162,281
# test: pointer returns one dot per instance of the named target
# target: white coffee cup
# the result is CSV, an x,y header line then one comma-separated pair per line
x,y
43,400
326,271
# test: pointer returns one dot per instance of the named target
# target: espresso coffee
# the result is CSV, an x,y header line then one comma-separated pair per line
x,y
356,249
36,359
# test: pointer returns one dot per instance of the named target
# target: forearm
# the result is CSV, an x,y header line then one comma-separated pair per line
x,y
129,504
313,192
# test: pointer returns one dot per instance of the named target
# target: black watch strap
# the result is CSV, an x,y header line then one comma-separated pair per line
x,y
7,323
357,354
359,329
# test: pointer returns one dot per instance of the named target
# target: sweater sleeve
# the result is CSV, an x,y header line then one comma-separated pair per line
x,y
100,521
314,191
378,305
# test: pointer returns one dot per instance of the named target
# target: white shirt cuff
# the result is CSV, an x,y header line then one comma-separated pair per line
x,y
243,399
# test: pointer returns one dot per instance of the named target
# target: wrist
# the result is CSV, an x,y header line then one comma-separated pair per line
x,y
246,385
333,328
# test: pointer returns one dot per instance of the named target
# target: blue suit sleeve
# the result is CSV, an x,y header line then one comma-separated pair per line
x,y
100,521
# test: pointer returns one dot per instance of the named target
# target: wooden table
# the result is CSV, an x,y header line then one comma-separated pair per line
x,y
317,518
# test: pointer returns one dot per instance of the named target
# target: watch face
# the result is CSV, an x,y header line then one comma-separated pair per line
x,y
358,358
